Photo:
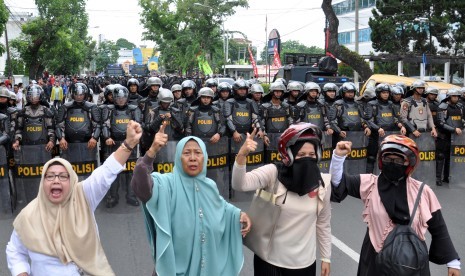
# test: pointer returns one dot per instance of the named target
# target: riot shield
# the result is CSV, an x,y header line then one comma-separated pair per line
x,y
124,178
254,160
217,164
326,154
426,170
271,151
5,195
164,160
457,159
28,169
83,160
356,161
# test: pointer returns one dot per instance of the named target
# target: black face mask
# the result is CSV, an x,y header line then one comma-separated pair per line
x,y
305,176
394,172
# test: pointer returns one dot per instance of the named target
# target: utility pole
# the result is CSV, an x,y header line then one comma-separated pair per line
x,y
8,57
356,38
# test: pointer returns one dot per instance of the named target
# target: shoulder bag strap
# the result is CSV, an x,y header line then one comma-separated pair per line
x,y
417,201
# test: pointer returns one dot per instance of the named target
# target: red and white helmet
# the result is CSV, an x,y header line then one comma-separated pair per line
x,y
403,145
299,132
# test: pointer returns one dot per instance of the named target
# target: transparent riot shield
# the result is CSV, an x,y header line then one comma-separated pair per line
x,y
28,169
357,159
83,160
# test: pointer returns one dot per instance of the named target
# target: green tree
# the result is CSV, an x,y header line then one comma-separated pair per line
x,y
293,46
123,43
3,19
396,23
107,53
183,30
56,39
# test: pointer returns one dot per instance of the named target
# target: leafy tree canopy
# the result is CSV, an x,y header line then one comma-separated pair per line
x,y
57,39
397,22
183,30
123,43
4,14
107,53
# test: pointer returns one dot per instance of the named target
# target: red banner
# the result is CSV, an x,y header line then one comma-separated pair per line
x,y
254,65
276,59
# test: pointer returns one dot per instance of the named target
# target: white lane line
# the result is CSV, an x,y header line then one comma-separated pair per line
x,y
344,248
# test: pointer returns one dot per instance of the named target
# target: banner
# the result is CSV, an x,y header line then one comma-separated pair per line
x,y
276,59
204,66
254,65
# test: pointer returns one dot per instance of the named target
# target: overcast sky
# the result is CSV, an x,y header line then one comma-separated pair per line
x,y
301,20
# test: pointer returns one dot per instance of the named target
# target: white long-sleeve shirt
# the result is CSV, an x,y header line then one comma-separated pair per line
x,y
95,187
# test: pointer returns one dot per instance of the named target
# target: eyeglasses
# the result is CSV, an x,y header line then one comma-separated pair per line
x,y
395,160
61,177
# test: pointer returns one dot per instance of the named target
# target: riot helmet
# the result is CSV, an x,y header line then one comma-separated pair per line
x,y
256,88
79,91
296,133
109,90
33,94
432,90
176,87
347,87
283,81
453,92
120,95
402,87
211,82
328,87
418,84
165,95
206,92
188,85
240,85
369,94
397,90
4,93
295,86
154,81
131,82
312,86
224,87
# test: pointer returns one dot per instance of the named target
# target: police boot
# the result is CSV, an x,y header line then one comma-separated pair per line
x,y
439,167
111,202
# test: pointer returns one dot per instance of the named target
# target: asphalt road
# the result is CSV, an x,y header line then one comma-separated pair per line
x,y
124,239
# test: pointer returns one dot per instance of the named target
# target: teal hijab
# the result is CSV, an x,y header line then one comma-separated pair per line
x,y
192,230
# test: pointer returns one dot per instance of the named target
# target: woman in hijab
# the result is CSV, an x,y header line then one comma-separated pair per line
x,y
57,231
192,229
303,194
389,199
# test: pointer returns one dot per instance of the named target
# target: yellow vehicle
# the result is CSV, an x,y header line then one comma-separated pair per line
x,y
393,79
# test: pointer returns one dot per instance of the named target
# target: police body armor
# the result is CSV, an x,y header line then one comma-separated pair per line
x,y
119,122
134,98
242,115
34,131
276,119
350,119
78,125
204,124
417,114
313,113
455,116
434,107
385,116
149,103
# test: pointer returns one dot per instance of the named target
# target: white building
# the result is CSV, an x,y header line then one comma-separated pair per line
x,y
345,11
13,28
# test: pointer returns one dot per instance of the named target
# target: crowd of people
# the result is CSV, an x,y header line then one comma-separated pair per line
x,y
192,229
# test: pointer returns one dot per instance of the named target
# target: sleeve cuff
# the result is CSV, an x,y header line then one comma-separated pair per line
x,y
148,160
114,166
337,157
239,166
454,264
326,260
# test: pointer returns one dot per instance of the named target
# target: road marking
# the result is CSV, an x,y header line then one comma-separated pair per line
x,y
345,248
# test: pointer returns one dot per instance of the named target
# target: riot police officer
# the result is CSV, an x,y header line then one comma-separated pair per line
x,y
9,111
166,111
5,193
256,93
108,94
115,119
176,89
213,84
241,113
133,87
224,93
384,119
276,115
151,101
310,110
431,94
415,114
347,113
329,95
205,119
78,121
294,89
397,92
188,90
451,121
34,122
